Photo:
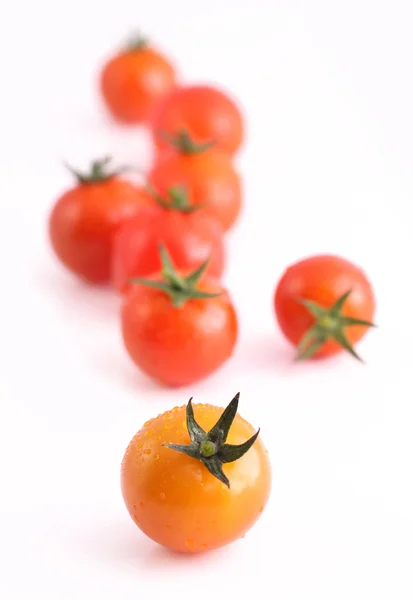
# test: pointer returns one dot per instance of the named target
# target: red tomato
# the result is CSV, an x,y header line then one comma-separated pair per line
x,y
191,237
324,304
185,500
204,112
208,174
83,221
134,81
176,328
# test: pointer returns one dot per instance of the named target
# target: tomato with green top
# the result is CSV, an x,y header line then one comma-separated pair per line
x,y
188,233
85,218
208,174
324,304
196,478
205,112
134,80
178,328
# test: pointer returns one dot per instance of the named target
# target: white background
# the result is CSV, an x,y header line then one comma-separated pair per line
x,y
327,91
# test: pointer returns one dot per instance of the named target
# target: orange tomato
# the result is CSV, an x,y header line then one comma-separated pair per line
x,y
175,499
204,112
134,80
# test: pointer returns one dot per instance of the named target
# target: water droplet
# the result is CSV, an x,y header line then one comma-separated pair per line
x,y
204,546
140,444
183,425
162,496
167,416
147,451
156,457
190,543
142,504
168,426
135,517
158,437
149,433
148,423
261,509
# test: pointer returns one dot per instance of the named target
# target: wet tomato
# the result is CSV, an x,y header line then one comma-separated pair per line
x,y
195,479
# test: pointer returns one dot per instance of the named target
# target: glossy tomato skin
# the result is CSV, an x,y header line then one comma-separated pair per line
x,y
204,112
174,499
133,82
189,238
323,279
178,346
209,177
83,221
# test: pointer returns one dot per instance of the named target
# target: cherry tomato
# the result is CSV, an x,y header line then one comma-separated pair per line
x,y
189,490
190,236
208,174
324,304
83,220
178,328
134,81
204,112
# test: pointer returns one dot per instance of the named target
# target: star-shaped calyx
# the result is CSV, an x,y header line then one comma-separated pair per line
x,y
184,144
99,171
178,288
330,323
211,447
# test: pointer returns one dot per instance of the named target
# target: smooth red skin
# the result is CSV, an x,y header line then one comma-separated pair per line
x,y
83,221
204,112
178,346
210,179
132,83
322,279
190,239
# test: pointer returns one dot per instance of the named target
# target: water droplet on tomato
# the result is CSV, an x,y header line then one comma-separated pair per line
x,y
190,543
162,496
204,546
142,504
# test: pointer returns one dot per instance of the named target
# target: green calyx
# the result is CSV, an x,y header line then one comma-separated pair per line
x,y
179,289
136,42
182,141
211,447
99,171
177,199
330,323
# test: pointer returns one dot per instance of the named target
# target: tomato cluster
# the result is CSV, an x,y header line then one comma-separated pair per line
x,y
190,485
